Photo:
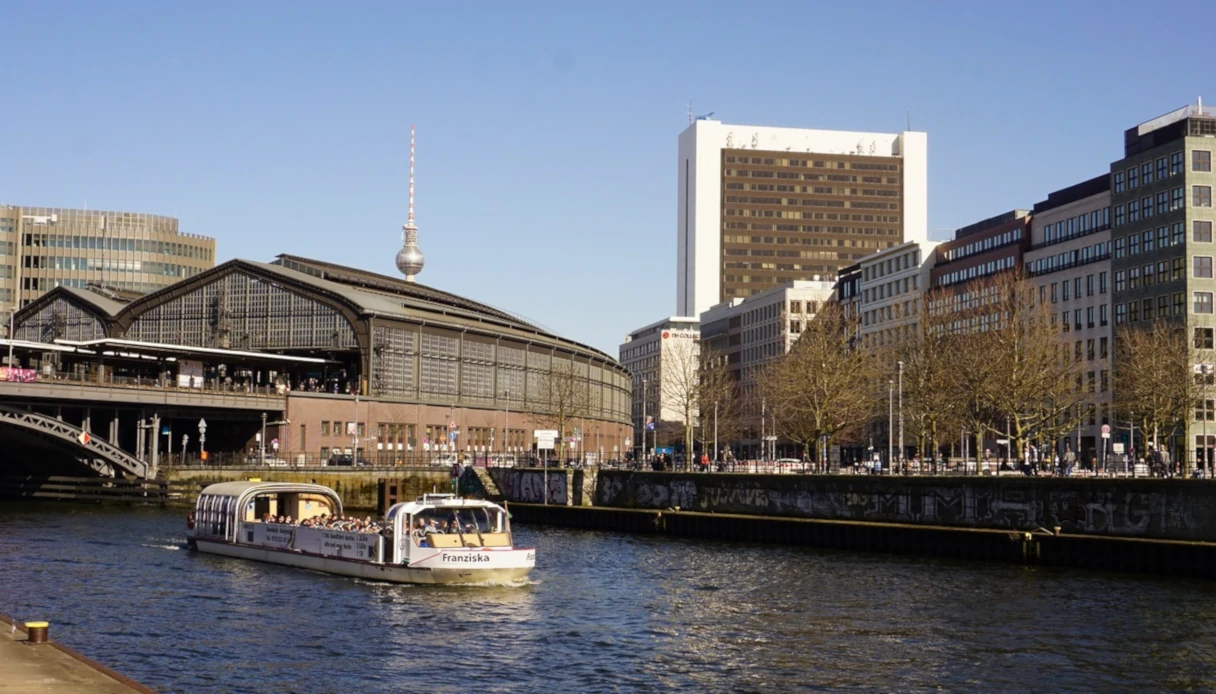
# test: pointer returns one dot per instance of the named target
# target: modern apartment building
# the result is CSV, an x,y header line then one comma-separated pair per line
x,y
656,355
46,247
1161,234
890,288
1070,262
760,207
749,332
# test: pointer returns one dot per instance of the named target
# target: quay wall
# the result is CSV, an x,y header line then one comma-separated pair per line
x,y
358,488
1140,508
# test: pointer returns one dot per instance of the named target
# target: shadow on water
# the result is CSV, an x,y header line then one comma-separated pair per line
x,y
601,612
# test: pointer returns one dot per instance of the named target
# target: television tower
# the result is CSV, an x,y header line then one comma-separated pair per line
x,y
410,259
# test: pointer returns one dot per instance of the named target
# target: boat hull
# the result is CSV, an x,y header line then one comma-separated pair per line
x,y
440,567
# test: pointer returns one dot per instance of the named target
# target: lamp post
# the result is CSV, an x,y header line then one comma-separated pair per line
x,y
1203,395
763,414
901,410
11,315
890,426
262,440
715,431
642,429
506,441
202,439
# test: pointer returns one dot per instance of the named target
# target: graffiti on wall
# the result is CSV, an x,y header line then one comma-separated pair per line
x,y
528,486
1136,508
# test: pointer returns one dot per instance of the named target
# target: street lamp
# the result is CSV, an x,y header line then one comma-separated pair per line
x,y
642,429
901,410
262,440
506,441
890,426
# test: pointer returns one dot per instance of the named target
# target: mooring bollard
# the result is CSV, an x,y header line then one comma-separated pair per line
x,y
36,632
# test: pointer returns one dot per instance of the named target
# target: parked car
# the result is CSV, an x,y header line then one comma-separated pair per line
x,y
269,461
347,460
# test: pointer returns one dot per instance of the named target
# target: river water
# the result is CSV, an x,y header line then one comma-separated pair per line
x,y
602,612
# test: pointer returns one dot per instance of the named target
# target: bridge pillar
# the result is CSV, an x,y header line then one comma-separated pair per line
x,y
155,444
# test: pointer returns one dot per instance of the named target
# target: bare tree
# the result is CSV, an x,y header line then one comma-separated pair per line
x,y
719,405
929,362
681,385
823,386
564,398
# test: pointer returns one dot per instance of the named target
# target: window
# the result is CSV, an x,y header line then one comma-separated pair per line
x,y
1179,304
1133,178
1203,338
1120,245
1133,211
1104,348
1119,215
1120,314
1105,380
1179,265
1148,275
1146,172
1119,181
1147,205
1163,237
1148,309
1202,266
1147,238
1177,198
1202,301
1133,311
1102,282
1089,285
1133,278
1064,320
1201,231
1163,168
1176,163
1065,284
1103,319
1201,160
1163,305
1076,353
1076,288
1201,196
1089,320
1163,274
324,428
1053,292
1133,244
1163,202
1076,318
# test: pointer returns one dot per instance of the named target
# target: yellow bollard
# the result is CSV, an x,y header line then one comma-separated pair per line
x,y
36,632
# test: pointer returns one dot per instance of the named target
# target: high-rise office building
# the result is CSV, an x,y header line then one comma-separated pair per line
x,y
46,247
659,356
1162,241
759,207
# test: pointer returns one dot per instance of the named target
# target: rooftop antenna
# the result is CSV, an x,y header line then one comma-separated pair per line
x,y
410,259
909,113
690,116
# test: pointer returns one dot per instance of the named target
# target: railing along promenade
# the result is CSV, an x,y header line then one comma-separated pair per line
x,y
85,387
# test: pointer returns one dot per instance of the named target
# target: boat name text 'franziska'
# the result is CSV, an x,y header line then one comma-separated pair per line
x,y
464,557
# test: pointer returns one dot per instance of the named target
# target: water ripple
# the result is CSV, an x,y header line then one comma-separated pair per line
x,y
602,613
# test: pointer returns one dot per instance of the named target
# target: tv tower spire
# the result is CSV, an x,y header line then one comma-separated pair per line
x,y
410,259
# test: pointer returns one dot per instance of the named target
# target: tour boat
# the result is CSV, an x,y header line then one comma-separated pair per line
x,y
227,520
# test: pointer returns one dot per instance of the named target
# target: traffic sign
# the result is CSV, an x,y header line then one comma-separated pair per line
x,y
1002,442
84,438
1106,434
1105,428
202,426
545,433
274,443
452,424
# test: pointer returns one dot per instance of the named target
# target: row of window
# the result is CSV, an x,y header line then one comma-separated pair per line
x,y
823,229
119,245
1165,271
1081,225
1071,289
1103,317
1136,176
1133,211
1164,237
1162,306
887,290
982,270
41,262
1069,259
983,245
903,261
812,163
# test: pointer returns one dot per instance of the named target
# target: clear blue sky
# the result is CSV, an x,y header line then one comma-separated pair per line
x,y
547,133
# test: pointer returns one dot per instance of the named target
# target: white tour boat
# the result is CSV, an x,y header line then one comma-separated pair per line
x,y
478,548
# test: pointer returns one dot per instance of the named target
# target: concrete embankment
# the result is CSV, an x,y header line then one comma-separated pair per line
x,y
359,488
31,668
1034,548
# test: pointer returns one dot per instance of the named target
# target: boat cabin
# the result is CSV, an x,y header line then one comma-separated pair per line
x,y
223,507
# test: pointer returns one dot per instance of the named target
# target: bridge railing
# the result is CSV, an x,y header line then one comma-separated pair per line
x,y
211,386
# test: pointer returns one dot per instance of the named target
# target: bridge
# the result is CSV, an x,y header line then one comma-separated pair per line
x,y
63,425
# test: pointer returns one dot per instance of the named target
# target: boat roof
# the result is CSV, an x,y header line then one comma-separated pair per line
x,y
245,489
439,501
